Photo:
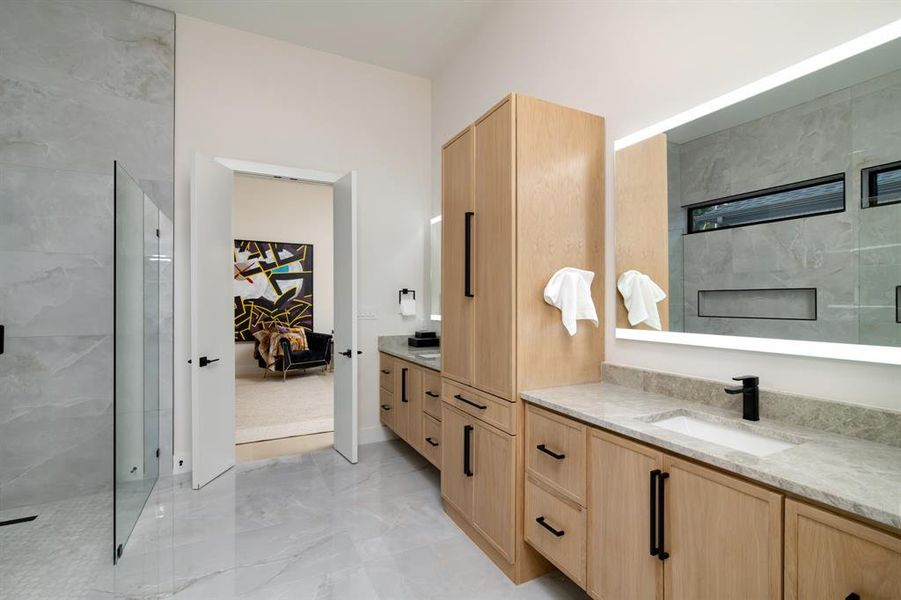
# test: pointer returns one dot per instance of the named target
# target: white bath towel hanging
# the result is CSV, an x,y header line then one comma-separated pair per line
x,y
407,306
569,290
640,295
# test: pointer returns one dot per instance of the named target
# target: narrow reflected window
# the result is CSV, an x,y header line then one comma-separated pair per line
x,y
881,185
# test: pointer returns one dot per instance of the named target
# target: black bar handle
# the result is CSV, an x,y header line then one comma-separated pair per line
x,y
853,596
653,517
432,442
467,451
470,402
543,448
543,523
204,361
661,527
386,407
467,257
386,371
403,385
431,394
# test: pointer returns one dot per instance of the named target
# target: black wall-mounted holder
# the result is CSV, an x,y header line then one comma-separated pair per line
x,y
404,292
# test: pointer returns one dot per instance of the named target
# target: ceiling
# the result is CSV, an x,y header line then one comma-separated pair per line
x,y
412,36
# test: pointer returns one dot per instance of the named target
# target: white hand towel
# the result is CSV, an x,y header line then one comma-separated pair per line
x,y
569,290
407,306
640,295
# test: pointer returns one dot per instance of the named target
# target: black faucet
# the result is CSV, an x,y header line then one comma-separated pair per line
x,y
750,407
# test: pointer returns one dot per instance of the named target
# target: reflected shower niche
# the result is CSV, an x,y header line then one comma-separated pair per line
x,y
778,216
137,349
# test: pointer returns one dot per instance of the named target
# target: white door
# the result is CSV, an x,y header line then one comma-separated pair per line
x,y
345,349
212,321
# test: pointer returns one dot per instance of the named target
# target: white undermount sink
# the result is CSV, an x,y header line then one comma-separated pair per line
x,y
723,435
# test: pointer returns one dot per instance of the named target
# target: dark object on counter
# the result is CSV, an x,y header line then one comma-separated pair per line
x,y
424,339
750,410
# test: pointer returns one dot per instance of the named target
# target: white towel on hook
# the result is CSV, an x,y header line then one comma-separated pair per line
x,y
569,290
640,295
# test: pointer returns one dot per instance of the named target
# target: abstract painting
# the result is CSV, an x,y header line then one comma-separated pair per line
x,y
273,285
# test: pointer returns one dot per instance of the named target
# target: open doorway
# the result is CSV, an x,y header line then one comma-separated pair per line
x,y
213,309
284,317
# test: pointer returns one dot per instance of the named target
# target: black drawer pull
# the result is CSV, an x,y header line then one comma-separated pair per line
x,y
386,371
432,442
661,511
556,532
544,449
653,503
431,394
403,385
467,450
470,402
386,407
853,596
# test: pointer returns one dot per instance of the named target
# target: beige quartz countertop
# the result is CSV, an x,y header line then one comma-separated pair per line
x,y
854,475
396,345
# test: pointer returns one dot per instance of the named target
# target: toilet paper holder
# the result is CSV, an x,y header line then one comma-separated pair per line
x,y
404,292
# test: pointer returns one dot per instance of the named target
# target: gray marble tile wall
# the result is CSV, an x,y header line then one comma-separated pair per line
x,y
82,83
853,257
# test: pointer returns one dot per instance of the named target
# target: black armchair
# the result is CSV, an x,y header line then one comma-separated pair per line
x,y
318,355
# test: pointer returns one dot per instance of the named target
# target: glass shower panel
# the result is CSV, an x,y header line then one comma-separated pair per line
x,y
880,275
136,400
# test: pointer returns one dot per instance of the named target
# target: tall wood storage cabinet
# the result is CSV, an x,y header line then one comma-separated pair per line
x,y
522,196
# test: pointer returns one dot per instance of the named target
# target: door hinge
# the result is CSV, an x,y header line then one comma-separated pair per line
x,y
157,452
157,233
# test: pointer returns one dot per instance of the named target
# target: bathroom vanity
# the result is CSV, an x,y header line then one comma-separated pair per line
x,y
410,394
629,507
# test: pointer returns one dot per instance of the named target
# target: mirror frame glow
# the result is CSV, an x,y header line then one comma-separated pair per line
x,y
852,352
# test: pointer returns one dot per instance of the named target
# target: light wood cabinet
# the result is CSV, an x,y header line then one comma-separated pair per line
x,y
828,556
431,393
456,259
555,452
457,432
386,372
431,440
723,535
522,197
403,402
386,408
493,487
620,563
493,253
556,527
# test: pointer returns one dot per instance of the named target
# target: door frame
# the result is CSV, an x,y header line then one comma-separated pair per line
x,y
297,174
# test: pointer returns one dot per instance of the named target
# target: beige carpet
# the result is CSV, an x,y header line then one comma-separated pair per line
x,y
269,409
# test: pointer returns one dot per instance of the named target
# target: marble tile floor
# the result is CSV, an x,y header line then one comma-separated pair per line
x,y
297,527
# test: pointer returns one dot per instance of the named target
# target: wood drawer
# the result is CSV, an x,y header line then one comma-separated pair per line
x,y
386,372
431,440
555,452
431,393
494,411
386,408
828,556
565,546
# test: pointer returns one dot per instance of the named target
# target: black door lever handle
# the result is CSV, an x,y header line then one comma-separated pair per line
x,y
348,353
204,361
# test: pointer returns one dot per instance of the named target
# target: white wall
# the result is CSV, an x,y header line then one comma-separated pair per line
x,y
279,210
248,97
637,63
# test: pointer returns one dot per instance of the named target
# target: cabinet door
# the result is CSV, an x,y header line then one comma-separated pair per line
x,y
414,406
723,536
456,305
494,251
456,481
493,487
620,564
828,556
